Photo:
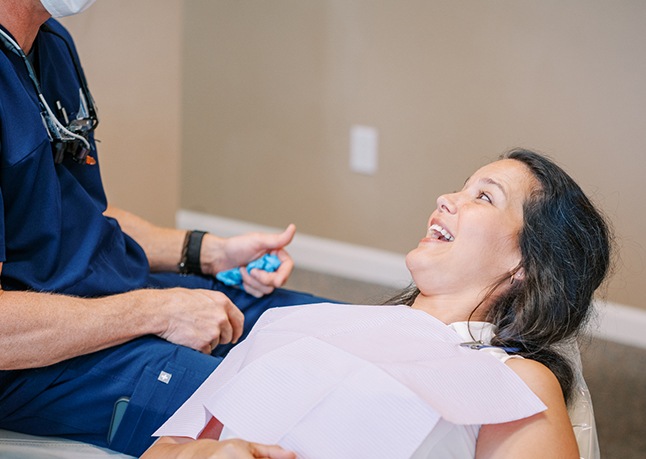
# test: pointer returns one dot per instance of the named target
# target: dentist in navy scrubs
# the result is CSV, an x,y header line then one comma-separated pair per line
x,y
99,305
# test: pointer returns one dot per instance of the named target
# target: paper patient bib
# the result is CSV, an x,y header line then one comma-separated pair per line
x,y
339,381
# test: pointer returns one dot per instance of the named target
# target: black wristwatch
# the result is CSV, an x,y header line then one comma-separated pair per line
x,y
190,261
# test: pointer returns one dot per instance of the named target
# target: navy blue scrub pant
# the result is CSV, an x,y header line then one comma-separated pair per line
x,y
75,399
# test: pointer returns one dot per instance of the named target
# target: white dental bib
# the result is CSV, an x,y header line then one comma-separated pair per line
x,y
332,381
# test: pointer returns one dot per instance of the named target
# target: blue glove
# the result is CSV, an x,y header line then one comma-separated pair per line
x,y
267,262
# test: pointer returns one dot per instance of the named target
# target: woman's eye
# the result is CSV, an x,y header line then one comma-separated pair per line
x,y
484,196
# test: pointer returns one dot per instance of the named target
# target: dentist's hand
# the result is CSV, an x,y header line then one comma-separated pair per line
x,y
219,254
199,319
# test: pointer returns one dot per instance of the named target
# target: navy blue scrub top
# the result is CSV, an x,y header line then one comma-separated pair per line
x,y
53,235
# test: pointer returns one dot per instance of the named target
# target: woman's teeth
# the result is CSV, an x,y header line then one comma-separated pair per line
x,y
435,231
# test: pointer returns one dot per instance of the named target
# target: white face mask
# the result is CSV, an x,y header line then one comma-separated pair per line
x,y
62,8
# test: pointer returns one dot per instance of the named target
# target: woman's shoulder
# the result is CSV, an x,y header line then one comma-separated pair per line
x,y
546,434
539,379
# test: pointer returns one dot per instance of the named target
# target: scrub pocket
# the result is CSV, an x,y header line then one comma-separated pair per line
x,y
157,395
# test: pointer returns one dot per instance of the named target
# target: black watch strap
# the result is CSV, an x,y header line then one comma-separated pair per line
x,y
190,261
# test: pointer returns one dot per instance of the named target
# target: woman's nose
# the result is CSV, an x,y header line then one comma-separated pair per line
x,y
446,203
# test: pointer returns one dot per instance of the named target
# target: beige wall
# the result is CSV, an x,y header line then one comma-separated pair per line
x,y
272,88
130,52
269,90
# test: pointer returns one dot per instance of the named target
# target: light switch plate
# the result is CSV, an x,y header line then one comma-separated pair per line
x,y
364,141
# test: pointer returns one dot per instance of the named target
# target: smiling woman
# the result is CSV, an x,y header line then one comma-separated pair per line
x,y
508,269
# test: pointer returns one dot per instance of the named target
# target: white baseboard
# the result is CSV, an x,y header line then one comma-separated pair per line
x,y
621,324
618,323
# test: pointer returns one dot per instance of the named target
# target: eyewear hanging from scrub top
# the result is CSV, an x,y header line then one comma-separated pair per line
x,y
70,138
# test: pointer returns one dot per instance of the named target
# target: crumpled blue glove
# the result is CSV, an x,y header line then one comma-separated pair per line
x,y
267,262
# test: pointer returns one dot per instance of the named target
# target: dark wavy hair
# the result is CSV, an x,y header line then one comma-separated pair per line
x,y
565,247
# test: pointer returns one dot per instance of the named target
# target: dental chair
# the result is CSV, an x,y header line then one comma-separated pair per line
x,y
581,411
14,445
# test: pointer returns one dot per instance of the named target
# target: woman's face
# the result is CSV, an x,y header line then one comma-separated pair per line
x,y
472,237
